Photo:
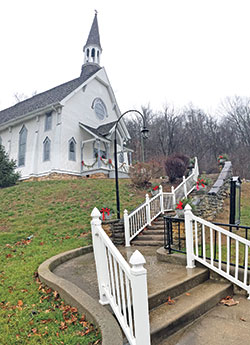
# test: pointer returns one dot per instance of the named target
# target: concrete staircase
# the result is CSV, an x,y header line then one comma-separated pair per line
x,y
183,301
152,235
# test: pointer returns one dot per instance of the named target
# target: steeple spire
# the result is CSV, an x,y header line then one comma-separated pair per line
x,y
92,49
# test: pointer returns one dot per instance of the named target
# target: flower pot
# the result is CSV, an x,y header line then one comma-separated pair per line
x,y
154,192
179,213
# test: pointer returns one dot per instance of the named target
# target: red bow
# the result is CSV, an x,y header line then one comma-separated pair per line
x,y
82,163
103,211
156,187
180,206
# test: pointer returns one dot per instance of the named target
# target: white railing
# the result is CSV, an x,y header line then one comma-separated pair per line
x,y
122,286
200,235
142,216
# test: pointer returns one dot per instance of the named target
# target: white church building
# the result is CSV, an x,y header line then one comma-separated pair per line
x,y
69,129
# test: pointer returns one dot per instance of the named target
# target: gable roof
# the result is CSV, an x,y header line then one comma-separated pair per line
x,y
49,97
100,131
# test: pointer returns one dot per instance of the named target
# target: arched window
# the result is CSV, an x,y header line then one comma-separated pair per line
x,y
22,146
72,149
93,53
46,149
88,52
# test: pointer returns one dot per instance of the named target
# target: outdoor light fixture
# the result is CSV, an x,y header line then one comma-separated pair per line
x,y
144,132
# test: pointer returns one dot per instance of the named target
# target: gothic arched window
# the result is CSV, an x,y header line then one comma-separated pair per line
x,y
46,149
72,149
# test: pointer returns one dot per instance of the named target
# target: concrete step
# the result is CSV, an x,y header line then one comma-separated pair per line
x,y
167,319
155,227
177,287
153,232
147,243
146,237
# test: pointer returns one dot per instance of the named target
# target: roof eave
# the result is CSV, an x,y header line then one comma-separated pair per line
x,y
13,122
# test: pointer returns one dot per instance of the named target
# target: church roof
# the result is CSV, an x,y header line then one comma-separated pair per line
x,y
49,97
94,37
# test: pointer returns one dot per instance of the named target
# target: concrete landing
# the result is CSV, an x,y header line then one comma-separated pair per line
x,y
221,325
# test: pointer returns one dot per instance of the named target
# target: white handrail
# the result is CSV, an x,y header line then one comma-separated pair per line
x,y
142,216
194,241
122,286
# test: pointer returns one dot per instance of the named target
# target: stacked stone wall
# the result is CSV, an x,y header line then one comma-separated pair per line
x,y
212,203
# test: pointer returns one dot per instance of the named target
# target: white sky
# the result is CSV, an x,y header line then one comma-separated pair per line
x,y
175,51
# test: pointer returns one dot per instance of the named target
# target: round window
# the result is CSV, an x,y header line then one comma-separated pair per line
x,y
100,108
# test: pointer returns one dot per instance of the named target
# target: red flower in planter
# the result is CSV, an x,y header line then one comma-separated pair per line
x,y
180,206
110,161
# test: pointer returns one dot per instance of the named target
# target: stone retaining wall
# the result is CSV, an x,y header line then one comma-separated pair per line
x,y
62,176
210,204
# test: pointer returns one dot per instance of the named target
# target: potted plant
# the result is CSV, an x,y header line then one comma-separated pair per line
x,y
155,189
222,159
181,205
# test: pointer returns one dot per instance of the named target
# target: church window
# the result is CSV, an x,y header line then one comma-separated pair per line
x,y
46,149
93,52
100,108
48,121
72,149
87,52
0,140
22,146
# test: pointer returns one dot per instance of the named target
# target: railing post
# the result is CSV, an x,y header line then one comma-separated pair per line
x,y
196,168
140,298
174,198
185,187
126,228
161,199
148,210
100,256
189,236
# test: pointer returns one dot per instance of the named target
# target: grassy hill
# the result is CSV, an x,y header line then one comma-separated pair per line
x,y
39,220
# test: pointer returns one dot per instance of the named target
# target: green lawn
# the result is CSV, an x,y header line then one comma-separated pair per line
x,y
55,215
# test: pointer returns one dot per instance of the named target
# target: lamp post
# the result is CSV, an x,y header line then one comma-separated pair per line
x,y
144,132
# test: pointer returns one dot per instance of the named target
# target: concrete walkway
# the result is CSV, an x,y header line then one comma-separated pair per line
x,y
221,325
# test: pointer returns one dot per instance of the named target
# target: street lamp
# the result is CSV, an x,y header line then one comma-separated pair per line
x,y
144,132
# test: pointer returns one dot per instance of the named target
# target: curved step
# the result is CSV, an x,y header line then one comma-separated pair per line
x,y
167,319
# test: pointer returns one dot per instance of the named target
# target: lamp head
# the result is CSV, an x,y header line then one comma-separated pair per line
x,y
144,132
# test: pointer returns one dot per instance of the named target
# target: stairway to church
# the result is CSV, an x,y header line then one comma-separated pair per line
x,y
152,235
180,305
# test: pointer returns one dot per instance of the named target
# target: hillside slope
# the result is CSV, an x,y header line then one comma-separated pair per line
x,y
39,220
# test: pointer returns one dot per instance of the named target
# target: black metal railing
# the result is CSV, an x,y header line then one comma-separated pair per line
x,y
174,238
174,228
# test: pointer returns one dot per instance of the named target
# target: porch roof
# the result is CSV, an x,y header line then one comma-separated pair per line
x,y
94,132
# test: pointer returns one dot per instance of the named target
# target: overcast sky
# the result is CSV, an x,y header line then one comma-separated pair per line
x,y
175,51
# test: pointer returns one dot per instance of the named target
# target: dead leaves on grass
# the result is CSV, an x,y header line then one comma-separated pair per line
x,y
70,314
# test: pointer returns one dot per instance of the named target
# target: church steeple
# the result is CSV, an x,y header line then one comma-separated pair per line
x,y
92,49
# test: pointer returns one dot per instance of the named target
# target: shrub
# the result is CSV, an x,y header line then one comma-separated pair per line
x,y
140,174
184,158
8,176
157,169
175,168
